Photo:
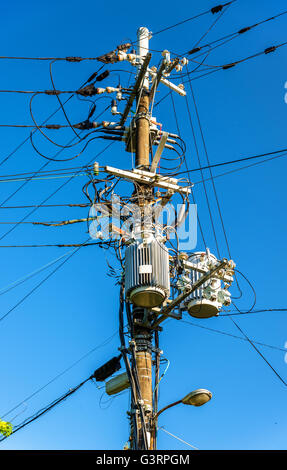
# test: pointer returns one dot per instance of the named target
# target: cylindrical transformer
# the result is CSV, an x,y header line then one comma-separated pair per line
x,y
147,281
197,304
117,384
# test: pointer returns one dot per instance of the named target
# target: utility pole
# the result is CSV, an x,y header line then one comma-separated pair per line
x,y
157,282
142,118
143,336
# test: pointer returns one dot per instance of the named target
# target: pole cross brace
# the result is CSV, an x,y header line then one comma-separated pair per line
x,y
137,85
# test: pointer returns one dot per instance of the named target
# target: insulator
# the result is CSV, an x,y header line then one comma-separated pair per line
x,y
96,168
114,107
147,281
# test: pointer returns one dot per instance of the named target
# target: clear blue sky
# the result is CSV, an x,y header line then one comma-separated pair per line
x,y
243,112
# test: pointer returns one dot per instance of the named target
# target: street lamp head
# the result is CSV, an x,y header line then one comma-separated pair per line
x,y
197,397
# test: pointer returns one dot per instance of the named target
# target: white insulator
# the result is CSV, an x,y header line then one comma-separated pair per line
x,y
111,89
108,124
131,57
122,56
166,56
99,91
184,61
178,68
96,124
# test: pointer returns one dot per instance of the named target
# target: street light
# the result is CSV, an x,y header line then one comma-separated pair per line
x,y
196,398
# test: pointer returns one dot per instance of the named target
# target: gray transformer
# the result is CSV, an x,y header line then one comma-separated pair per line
x,y
147,280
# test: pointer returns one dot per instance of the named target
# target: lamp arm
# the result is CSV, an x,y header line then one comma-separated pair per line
x,y
166,408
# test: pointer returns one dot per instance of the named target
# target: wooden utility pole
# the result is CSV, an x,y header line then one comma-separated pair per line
x,y
142,116
142,335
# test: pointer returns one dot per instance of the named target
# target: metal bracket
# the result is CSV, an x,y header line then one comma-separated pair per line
x,y
165,311
149,178
159,151
169,84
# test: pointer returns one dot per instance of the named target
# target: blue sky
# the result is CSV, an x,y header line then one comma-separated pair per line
x,y
243,113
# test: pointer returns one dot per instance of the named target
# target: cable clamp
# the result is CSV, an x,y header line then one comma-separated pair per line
x,y
216,9
143,115
270,49
74,59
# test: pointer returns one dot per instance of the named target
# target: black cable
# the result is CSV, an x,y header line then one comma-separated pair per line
x,y
44,122
230,65
231,36
243,168
134,373
45,206
40,389
36,172
192,193
212,26
248,312
45,410
252,288
129,373
213,10
204,185
211,175
53,245
259,352
54,192
189,170
277,348
238,160
41,282
156,383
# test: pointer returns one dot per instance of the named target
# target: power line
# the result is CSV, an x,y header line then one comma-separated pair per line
x,y
40,389
230,65
70,170
213,330
177,438
241,168
47,408
201,172
44,122
248,312
54,192
233,35
238,160
213,10
52,245
212,26
40,283
259,352
20,281
45,206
